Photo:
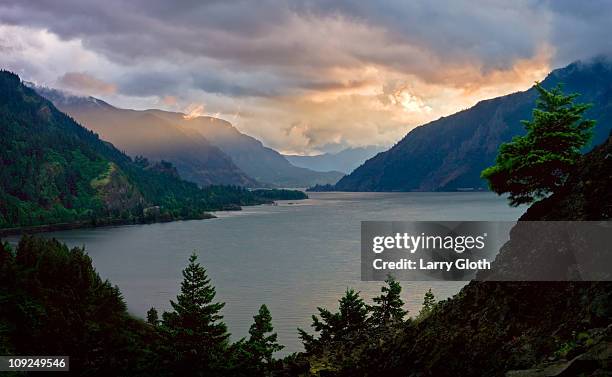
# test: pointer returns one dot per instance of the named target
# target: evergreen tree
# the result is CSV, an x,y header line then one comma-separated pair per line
x,y
532,166
353,313
347,324
152,317
254,357
262,345
195,327
429,303
389,305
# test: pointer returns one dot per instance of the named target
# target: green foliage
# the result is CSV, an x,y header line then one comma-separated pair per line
x,y
532,166
263,346
195,327
353,323
389,305
254,357
152,317
279,194
53,302
429,303
356,330
53,171
342,325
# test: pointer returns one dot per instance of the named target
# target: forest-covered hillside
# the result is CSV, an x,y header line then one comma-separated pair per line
x,y
53,302
147,134
52,170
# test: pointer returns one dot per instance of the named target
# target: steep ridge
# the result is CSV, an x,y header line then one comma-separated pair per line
x,y
144,133
205,149
449,153
52,170
260,162
541,327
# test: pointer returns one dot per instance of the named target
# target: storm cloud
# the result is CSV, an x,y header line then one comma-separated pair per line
x,y
293,72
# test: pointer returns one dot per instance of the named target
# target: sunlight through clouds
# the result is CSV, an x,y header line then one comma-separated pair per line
x,y
303,77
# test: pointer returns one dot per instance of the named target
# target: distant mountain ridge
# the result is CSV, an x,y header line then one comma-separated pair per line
x,y
449,153
144,133
344,161
204,149
260,162
54,171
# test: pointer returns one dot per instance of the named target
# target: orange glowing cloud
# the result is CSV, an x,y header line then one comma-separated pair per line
x,y
84,82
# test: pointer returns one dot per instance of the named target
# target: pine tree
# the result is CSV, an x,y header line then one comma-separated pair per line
x,y
348,323
261,346
195,326
429,303
532,166
152,317
389,305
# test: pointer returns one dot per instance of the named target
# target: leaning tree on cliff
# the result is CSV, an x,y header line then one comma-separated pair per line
x,y
532,166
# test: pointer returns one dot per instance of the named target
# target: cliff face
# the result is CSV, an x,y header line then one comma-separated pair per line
x,y
492,327
578,251
497,328
587,195
449,153
114,189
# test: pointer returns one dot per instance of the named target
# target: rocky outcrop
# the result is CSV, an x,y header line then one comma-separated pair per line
x,y
116,191
523,328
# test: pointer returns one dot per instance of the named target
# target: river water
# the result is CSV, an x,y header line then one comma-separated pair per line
x,y
293,256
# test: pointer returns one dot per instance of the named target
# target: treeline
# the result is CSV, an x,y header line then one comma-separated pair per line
x,y
52,170
279,194
53,302
358,338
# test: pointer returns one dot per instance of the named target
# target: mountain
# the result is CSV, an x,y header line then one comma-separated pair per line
x,y
544,328
260,162
52,170
144,133
204,149
520,328
449,153
345,161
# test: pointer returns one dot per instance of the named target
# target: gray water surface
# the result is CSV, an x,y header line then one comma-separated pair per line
x,y
294,256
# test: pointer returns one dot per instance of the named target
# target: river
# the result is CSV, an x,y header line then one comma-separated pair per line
x,y
293,256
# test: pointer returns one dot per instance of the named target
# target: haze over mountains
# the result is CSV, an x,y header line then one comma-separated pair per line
x,y
53,170
444,155
205,150
258,161
344,161
448,154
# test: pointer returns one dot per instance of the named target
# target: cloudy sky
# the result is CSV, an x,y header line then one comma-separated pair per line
x,y
303,76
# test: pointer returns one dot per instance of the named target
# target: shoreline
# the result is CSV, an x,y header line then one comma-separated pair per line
x,y
100,223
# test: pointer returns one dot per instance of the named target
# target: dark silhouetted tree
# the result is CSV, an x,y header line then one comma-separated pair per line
x,y
388,306
263,345
347,324
254,357
429,303
152,317
195,327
